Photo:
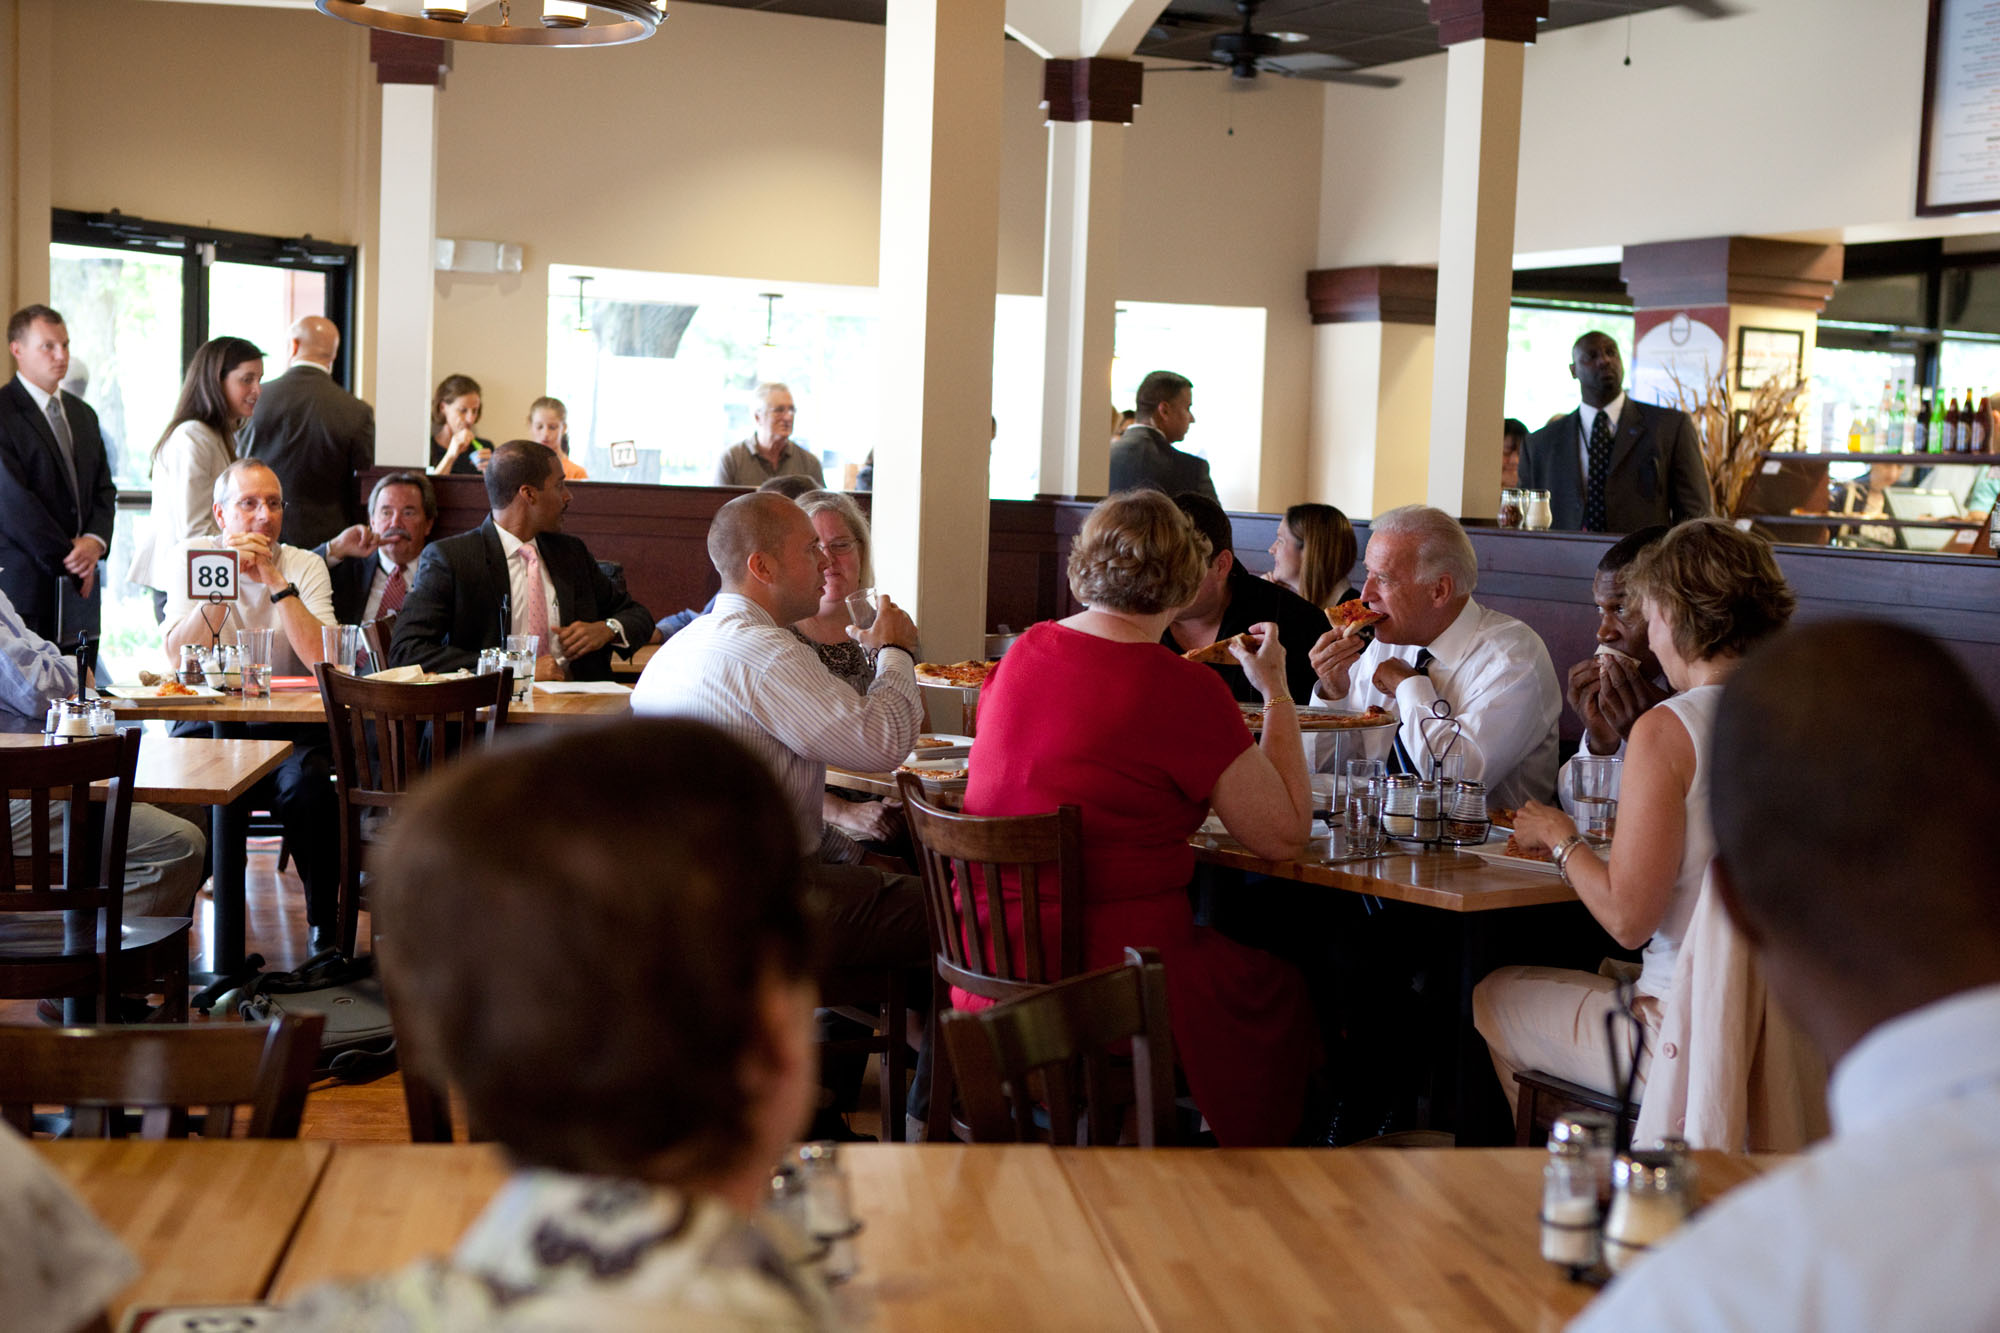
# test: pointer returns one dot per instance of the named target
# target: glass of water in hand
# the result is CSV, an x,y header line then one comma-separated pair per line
x,y
1594,780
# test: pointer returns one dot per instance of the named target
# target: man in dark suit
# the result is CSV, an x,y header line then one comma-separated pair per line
x,y
57,496
519,559
1614,465
1231,599
1145,454
374,565
315,435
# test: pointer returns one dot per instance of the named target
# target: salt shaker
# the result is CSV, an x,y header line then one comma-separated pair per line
x,y
103,722
1596,1133
1428,823
1399,805
1648,1202
829,1210
1677,1148
1572,1226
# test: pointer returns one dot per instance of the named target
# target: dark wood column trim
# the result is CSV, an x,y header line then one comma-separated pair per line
x,y
1507,20
1378,294
1094,89
401,58
1732,270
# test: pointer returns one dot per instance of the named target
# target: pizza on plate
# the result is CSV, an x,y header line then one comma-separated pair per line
x,y
1373,716
1218,654
1516,849
966,675
1353,615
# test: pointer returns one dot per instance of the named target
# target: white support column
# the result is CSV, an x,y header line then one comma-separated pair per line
x,y
1482,154
27,152
941,106
404,286
1079,290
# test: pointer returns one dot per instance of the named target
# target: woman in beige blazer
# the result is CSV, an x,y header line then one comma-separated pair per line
x,y
222,386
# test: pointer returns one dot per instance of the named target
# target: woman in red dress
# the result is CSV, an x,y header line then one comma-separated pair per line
x,y
1092,711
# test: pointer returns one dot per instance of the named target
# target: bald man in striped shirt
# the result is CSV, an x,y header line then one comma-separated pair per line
x,y
740,668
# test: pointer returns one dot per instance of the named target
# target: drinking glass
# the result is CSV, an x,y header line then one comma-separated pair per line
x,y
862,607
1449,767
253,650
1365,780
1594,778
340,645
522,649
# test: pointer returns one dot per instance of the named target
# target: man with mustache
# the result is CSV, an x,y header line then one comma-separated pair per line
x,y
401,510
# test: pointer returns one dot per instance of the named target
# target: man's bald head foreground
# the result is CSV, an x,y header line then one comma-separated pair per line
x,y
316,339
750,524
1862,872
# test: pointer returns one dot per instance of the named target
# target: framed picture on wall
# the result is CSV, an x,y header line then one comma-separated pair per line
x,y
1958,151
1763,355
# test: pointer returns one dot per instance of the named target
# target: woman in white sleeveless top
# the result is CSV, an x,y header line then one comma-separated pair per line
x,y
224,381
1710,593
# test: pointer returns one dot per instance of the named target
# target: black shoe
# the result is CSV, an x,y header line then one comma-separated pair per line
x,y
830,1124
321,938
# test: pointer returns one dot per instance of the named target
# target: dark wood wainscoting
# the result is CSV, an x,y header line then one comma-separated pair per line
x,y
659,534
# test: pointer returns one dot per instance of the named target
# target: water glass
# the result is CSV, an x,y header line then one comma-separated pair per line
x,y
1365,780
522,651
253,649
862,607
1594,780
340,646
1448,767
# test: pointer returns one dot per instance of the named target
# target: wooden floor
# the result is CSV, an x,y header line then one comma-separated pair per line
x,y
276,928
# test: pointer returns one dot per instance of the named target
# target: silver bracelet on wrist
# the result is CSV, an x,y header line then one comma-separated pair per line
x,y
1561,854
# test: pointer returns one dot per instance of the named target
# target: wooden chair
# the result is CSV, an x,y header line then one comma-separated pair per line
x,y
99,1073
1543,1097
1003,1053
384,736
63,931
978,853
877,999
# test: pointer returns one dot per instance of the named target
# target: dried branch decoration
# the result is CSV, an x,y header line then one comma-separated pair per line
x,y
1733,437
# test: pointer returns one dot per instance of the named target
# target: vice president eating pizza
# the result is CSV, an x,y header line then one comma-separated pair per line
x,y
1434,642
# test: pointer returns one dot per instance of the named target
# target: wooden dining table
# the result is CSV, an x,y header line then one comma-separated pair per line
x,y
301,704
953,1235
218,773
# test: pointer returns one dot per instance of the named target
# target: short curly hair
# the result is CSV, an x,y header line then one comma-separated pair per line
x,y
1718,588
1137,553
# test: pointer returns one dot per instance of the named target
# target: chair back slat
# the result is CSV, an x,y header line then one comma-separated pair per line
x,y
84,878
163,1070
1040,1047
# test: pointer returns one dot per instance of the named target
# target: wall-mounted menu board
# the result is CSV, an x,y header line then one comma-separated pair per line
x,y
1958,163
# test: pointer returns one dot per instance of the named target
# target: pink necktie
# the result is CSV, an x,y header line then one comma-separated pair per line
x,y
536,621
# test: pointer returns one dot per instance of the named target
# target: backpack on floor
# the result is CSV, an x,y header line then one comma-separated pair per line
x,y
358,1043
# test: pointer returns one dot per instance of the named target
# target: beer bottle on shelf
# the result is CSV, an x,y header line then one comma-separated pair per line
x,y
1951,428
1934,439
1914,433
1975,435
1899,422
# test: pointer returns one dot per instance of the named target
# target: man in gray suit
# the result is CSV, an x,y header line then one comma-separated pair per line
x,y
315,435
1145,454
1614,465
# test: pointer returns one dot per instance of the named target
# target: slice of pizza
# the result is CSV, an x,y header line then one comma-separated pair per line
x,y
1352,616
1218,654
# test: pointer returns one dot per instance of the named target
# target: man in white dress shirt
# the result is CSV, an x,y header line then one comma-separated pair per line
x,y
742,669
1438,644
1881,938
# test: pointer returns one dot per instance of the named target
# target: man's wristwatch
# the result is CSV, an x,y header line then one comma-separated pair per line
x,y
289,590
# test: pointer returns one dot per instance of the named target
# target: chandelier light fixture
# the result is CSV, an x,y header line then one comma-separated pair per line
x,y
545,22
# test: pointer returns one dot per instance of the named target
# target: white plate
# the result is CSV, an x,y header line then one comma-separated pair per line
x,y
928,771
954,747
1495,852
153,692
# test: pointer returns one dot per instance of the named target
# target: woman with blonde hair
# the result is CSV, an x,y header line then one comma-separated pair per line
x,y
223,383
1314,554
548,424
1710,593
1073,716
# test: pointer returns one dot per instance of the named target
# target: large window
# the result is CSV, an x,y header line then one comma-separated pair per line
x,y
668,362
138,298
1539,338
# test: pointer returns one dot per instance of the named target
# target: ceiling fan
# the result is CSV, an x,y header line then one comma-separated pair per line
x,y
1246,53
